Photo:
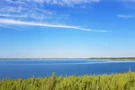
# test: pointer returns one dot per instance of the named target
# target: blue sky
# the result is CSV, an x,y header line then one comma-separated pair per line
x,y
67,28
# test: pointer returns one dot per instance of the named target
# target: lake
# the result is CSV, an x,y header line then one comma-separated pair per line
x,y
40,68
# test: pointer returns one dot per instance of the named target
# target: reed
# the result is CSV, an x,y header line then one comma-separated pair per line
x,y
121,81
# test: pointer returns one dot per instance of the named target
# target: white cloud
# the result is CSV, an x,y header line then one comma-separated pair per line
x,y
32,10
28,8
11,9
56,2
24,16
9,15
44,11
15,2
125,16
16,22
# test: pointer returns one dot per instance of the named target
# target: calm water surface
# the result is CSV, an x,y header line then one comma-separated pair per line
x,y
40,68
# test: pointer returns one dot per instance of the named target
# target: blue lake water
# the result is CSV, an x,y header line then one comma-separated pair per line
x,y
40,68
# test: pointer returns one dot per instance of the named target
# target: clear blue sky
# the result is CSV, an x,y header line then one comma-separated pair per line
x,y
67,28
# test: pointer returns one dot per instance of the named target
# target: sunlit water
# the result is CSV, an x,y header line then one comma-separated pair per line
x,y
40,68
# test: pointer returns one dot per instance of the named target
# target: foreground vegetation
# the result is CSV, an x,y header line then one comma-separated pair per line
x,y
125,81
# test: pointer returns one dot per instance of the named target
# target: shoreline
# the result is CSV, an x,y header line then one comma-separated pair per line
x,y
113,59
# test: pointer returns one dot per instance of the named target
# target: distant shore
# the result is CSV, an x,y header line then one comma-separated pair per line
x,y
41,58
114,59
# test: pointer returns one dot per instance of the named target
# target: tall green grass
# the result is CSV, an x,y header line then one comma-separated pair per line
x,y
124,81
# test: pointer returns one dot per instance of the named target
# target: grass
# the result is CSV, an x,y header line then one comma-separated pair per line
x,y
123,81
